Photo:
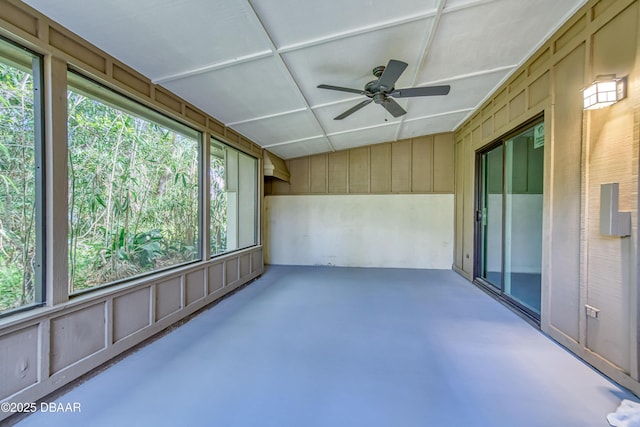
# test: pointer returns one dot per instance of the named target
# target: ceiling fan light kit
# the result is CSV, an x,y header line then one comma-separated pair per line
x,y
382,90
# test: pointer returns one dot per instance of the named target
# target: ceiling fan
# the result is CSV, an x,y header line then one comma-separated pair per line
x,y
382,91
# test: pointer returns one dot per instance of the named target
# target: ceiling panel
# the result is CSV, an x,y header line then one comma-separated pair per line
x,y
465,93
431,125
255,64
506,33
241,92
362,137
303,22
457,4
166,37
288,127
301,148
349,62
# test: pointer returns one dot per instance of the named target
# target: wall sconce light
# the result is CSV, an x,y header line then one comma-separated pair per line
x,y
604,91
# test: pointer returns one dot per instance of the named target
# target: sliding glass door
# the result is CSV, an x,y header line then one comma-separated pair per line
x,y
510,218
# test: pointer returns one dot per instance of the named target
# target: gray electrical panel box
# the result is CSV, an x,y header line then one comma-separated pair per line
x,y
613,222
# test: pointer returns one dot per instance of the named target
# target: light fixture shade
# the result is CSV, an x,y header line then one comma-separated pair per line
x,y
604,91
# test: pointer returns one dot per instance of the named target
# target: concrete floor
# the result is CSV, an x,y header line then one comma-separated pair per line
x,y
316,346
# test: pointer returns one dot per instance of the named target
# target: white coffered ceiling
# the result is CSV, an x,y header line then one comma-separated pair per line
x,y
255,64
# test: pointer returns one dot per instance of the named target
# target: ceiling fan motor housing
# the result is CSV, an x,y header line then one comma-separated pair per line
x,y
370,88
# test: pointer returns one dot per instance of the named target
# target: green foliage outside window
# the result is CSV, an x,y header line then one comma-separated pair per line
x,y
133,194
218,206
133,188
17,188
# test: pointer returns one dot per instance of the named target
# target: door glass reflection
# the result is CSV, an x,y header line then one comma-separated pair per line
x,y
524,157
491,215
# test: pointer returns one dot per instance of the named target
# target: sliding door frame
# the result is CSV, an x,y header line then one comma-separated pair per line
x,y
478,280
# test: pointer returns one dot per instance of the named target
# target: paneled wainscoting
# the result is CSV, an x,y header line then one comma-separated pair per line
x,y
46,348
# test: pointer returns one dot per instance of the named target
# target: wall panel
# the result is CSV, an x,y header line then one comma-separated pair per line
x,y
278,186
359,170
539,90
257,262
499,99
20,18
443,163
574,32
194,286
131,80
381,168
231,271
517,106
318,165
487,127
19,356
77,335
501,118
131,313
245,265
516,82
338,172
401,167
216,277
77,49
540,61
615,44
168,297
566,146
299,170
201,119
422,165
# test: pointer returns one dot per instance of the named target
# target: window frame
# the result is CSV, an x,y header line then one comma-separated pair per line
x,y
86,86
256,199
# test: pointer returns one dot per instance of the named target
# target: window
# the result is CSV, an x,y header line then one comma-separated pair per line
x,y
133,188
233,199
21,225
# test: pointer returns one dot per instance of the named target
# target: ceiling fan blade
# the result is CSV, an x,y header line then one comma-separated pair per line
x,y
393,107
421,91
391,74
353,109
342,89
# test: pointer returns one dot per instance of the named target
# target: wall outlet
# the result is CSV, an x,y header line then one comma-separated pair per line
x,y
592,311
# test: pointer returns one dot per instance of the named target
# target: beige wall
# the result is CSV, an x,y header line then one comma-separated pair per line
x,y
583,149
44,348
383,205
417,165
